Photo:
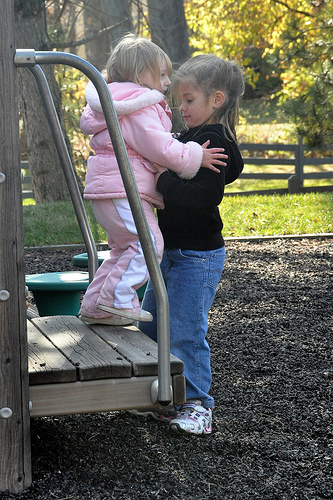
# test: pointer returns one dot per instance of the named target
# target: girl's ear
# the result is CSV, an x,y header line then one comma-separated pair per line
x,y
218,99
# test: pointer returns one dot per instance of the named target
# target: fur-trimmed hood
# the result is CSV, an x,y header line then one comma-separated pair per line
x,y
127,97
145,122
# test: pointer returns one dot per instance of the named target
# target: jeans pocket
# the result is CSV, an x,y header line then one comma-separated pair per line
x,y
210,262
198,255
216,264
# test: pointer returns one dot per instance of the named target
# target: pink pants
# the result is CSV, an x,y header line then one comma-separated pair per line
x,y
117,279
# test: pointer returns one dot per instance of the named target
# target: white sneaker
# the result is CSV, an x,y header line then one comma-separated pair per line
x,y
192,418
134,315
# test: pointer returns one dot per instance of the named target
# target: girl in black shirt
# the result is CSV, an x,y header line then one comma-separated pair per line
x,y
209,89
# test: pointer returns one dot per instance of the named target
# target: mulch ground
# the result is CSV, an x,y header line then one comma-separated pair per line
x,y
270,332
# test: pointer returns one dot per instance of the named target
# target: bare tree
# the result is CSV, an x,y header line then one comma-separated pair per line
x,y
105,21
96,26
168,28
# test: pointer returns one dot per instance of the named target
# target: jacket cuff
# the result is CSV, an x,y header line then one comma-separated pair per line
x,y
191,168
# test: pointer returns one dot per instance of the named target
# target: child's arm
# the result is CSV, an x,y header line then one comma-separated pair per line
x,y
91,122
204,191
144,133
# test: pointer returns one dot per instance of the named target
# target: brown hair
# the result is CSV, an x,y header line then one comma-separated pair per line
x,y
209,73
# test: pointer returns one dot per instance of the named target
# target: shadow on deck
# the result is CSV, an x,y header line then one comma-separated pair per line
x,y
80,368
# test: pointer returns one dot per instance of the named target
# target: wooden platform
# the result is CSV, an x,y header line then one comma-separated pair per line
x,y
80,368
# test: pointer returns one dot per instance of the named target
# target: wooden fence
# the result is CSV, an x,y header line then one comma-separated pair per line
x,y
298,161
295,177
26,180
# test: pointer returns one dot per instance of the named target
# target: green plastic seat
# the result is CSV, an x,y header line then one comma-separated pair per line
x,y
81,260
58,293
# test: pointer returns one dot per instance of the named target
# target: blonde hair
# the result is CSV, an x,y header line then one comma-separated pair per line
x,y
209,73
132,57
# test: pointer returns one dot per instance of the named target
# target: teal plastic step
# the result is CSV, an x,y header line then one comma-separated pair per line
x,y
58,293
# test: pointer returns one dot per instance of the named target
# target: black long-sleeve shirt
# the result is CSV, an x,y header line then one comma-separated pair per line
x,y
191,218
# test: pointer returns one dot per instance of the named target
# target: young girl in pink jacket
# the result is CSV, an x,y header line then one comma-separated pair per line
x,y
137,74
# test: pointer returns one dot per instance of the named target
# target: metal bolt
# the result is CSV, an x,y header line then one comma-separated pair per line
x,y
2,177
6,412
4,295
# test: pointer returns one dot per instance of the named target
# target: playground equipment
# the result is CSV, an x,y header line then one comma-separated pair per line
x,y
29,58
73,367
57,294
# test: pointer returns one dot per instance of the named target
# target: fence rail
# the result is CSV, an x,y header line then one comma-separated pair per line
x,y
295,178
298,161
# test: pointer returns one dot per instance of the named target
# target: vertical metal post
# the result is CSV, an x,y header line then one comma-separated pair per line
x,y
67,167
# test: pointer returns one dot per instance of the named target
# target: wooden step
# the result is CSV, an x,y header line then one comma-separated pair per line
x,y
80,368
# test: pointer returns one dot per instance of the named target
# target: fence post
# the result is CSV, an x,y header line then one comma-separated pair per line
x,y
299,160
295,182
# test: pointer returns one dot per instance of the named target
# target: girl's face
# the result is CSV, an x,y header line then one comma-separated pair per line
x,y
196,108
149,80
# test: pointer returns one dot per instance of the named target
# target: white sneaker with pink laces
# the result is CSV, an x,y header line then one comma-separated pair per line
x,y
192,418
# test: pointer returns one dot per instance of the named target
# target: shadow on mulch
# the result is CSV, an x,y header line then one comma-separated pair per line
x,y
270,332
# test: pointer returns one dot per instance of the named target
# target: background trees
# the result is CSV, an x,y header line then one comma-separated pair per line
x,y
284,45
47,177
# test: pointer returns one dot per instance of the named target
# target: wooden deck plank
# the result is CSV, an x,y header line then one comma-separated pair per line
x,y
98,396
137,347
93,357
102,352
90,396
45,363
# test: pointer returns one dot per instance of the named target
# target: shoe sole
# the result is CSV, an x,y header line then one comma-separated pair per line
x,y
176,429
106,321
126,314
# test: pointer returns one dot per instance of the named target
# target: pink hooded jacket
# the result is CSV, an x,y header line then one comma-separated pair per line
x,y
145,122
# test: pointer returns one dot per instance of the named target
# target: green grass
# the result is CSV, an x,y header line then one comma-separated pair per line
x,y
260,122
277,215
56,224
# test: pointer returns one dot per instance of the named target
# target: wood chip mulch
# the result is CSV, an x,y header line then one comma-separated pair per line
x,y
271,338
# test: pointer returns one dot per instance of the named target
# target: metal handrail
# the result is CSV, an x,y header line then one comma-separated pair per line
x,y
67,167
30,58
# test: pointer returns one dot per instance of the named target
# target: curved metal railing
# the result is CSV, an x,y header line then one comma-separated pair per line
x,y
31,59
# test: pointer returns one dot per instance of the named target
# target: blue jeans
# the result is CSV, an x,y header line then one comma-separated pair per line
x,y
191,278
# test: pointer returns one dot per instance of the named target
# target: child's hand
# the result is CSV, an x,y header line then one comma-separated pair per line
x,y
211,156
159,170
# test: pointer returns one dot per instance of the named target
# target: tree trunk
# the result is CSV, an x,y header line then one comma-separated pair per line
x,y
102,14
48,181
168,28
